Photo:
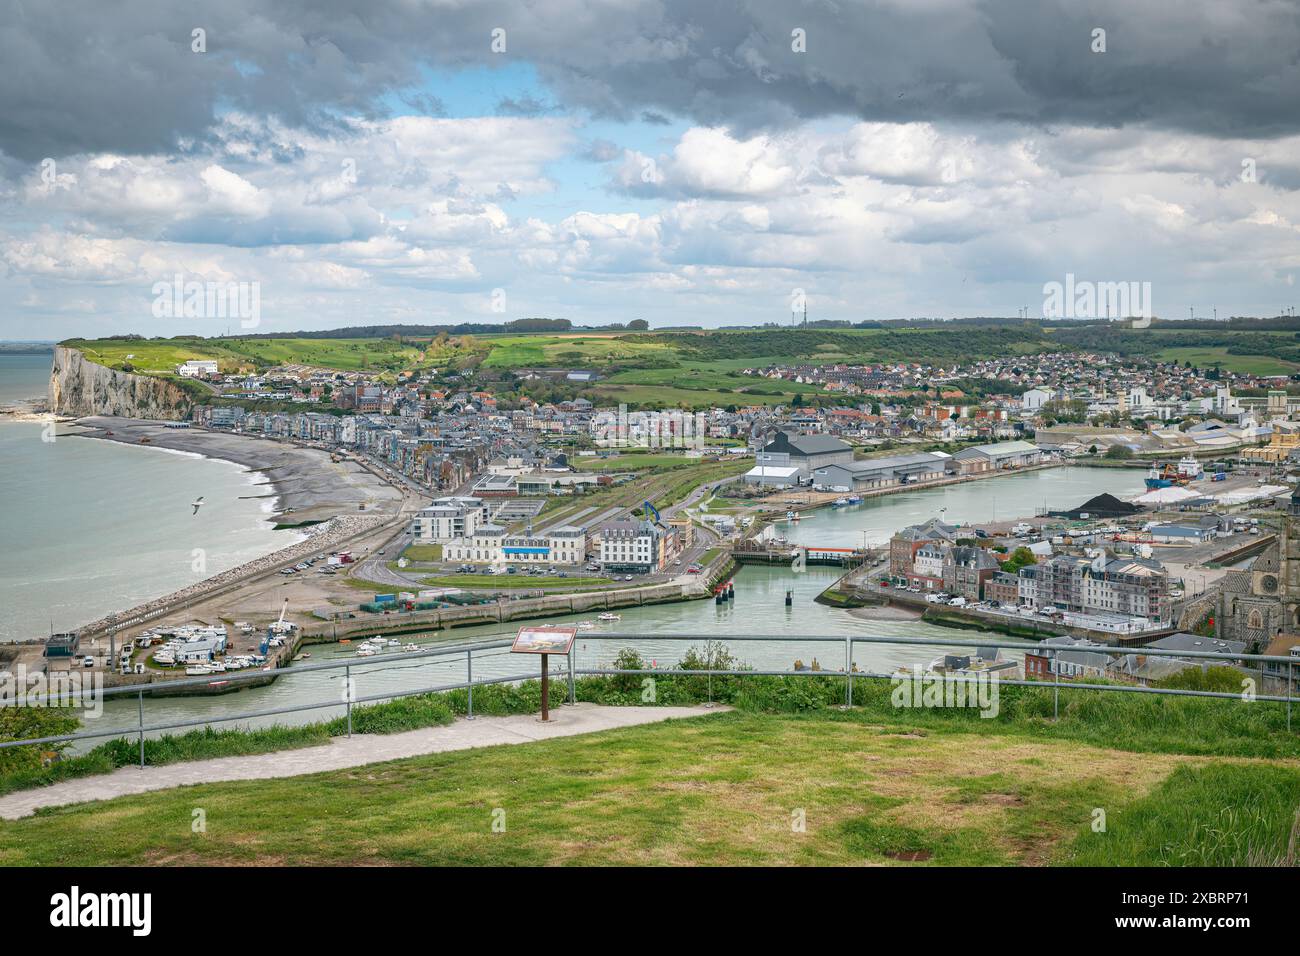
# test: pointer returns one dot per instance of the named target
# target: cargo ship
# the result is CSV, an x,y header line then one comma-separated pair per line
x,y
1186,470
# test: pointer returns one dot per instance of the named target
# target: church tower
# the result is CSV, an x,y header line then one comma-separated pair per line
x,y
1289,553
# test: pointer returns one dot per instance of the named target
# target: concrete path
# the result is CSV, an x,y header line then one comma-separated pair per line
x,y
342,752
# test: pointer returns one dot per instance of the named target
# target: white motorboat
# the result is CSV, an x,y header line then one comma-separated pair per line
x,y
609,616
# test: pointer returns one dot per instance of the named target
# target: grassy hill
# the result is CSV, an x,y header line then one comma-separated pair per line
x,y
785,779
695,369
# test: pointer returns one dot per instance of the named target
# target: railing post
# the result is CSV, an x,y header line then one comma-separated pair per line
x,y
573,692
709,702
848,672
469,680
1056,691
141,713
1290,686
347,694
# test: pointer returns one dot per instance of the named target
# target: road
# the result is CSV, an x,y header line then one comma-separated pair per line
x,y
374,567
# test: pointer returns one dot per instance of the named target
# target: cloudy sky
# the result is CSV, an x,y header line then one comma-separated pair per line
x,y
681,161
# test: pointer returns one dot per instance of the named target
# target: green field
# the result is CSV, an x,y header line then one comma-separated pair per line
x,y
233,355
1248,364
154,356
571,351
632,461
738,788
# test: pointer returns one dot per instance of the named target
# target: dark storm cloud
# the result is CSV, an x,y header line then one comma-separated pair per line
x,y
122,77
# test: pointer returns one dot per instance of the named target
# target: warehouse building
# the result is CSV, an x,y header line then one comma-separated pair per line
x,y
998,457
880,472
805,452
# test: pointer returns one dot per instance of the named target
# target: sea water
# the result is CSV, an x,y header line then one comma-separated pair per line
x,y
90,526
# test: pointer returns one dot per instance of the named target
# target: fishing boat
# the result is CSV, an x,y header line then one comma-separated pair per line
x,y
609,616
411,647
839,502
854,499
585,625
366,652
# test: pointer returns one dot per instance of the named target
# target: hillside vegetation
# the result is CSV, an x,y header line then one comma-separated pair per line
x,y
695,369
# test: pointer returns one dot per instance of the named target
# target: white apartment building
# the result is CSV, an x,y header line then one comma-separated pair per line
x,y
490,544
632,546
449,518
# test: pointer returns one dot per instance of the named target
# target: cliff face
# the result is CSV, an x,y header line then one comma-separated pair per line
x,y
79,387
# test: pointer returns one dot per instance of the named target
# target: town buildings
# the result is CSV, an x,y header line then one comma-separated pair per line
x,y
492,544
636,547
932,558
449,518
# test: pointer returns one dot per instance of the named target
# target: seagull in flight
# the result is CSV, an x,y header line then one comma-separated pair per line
x,y
197,503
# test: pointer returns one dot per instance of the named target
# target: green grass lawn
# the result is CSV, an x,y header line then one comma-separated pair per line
x,y
500,582
728,789
1215,815
423,552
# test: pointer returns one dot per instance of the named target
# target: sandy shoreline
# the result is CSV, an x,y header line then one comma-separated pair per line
x,y
307,485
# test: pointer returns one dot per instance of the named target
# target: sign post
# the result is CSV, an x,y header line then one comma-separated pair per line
x,y
544,641
546,690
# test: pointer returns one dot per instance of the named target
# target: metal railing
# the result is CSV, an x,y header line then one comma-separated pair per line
x,y
467,651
